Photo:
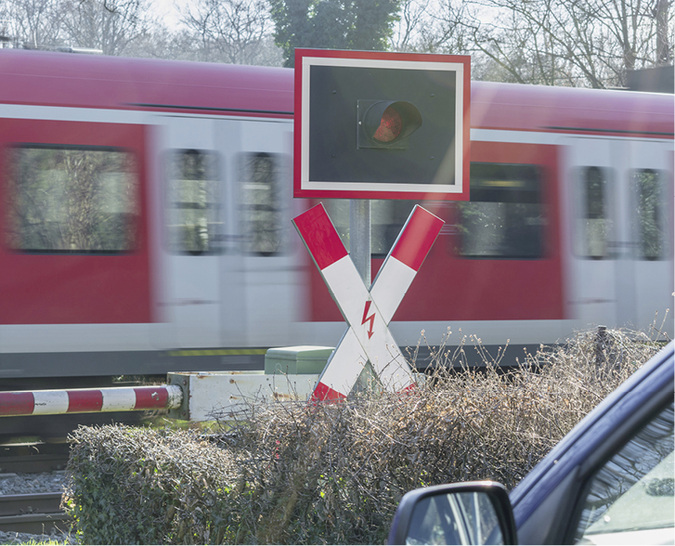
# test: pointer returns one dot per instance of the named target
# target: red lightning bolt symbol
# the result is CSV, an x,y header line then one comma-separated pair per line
x,y
367,318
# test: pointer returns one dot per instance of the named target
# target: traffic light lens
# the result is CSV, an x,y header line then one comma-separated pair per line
x,y
390,126
386,124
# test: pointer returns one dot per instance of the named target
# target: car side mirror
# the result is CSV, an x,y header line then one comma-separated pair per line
x,y
465,513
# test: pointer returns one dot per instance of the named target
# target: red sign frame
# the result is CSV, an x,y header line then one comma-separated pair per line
x,y
305,187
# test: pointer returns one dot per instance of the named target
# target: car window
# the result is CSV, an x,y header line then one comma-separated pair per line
x,y
630,499
387,217
431,522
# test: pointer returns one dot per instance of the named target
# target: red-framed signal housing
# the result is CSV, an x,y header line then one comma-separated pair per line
x,y
304,187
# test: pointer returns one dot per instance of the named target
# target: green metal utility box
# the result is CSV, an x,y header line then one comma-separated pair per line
x,y
303,359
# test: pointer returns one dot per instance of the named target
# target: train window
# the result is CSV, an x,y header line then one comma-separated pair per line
x,y
505,217
261,204
594,224
650,196
72,199
386,221
193,215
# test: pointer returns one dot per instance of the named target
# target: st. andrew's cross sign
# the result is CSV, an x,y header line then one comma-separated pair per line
x,y
367,311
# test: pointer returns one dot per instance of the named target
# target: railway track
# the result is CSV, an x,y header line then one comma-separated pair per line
x,y
34,513
33,453
33,457
27,473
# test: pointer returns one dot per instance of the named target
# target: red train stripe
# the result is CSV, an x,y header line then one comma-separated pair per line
x,y
409,389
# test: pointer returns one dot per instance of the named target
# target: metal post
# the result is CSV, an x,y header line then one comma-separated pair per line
x,y
359,251
359,237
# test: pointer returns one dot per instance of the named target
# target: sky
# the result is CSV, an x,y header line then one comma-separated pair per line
x,y
169,10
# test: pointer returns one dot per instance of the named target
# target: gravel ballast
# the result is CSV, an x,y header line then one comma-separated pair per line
x,y
22,484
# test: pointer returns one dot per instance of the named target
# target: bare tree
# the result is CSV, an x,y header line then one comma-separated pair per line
x,y
592,43
233,31
664,49
636,33
516,42
31,23
111,26
573,42
434,26
413,16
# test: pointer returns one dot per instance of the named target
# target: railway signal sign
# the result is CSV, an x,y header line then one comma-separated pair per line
x,y
373,125
367,312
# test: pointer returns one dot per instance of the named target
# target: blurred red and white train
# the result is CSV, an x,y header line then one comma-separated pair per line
x,y
145,219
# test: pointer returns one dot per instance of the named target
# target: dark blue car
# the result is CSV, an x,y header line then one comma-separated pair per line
x,y
609,481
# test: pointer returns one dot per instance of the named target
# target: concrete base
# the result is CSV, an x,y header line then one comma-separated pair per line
x,y
223,395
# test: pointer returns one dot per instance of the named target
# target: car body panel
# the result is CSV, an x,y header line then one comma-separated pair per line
x,y
544,502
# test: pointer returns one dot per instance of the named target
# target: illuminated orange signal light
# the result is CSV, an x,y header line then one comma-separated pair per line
x,y
390,126
386,124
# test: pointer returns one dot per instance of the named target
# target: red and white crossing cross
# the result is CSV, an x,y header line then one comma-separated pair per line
x,y
367,312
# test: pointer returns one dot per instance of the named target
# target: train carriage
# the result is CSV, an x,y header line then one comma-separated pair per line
x,y
146,206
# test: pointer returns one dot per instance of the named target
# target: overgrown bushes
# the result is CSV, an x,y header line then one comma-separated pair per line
x,y
141,486
334,473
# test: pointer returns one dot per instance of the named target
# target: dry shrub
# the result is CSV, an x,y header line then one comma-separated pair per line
x,y
140,486
334,473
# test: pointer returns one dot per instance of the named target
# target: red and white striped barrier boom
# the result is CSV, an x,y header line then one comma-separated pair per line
x,y
55,402
367,312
